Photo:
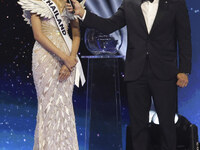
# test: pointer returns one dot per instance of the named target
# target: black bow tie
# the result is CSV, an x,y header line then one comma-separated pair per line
x,y
147,1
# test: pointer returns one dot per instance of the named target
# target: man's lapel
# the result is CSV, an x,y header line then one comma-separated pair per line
x,y
140,15
162,7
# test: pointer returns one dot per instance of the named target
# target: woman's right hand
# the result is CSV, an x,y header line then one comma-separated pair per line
x,y
70,62
64,73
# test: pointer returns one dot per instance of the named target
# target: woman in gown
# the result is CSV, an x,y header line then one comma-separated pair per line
x,y
54,75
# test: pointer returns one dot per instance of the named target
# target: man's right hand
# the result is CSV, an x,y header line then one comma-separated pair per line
x,y
79,10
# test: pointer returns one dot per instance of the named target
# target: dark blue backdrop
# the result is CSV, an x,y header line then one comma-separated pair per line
x,y
18,103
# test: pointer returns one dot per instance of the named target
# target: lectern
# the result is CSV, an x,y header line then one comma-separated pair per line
x,y
103,103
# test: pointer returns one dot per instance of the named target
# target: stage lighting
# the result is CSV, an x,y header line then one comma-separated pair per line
x,y
187,133
151,114
155,119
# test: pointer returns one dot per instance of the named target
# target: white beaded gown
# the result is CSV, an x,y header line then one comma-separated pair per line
x,y
55,128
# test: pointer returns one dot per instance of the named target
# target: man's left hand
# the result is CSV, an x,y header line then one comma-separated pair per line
x,y
79,10
182,80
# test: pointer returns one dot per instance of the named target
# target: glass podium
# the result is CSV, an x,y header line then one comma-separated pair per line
x,y
103,103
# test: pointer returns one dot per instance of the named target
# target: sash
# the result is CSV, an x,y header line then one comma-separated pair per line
x,y
59,21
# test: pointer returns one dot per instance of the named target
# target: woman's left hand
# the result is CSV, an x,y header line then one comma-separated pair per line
x,y
64,73
70,62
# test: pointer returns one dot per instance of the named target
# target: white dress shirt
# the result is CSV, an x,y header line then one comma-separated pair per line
x,y
149,11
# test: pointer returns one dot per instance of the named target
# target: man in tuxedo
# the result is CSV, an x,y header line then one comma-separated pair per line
x,y
155,28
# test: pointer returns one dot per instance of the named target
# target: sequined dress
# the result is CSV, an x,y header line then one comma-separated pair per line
x,y
55,128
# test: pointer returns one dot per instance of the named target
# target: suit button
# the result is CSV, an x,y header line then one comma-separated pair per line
x,y
147,53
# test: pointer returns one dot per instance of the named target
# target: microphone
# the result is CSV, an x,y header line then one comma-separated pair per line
x,y
70,2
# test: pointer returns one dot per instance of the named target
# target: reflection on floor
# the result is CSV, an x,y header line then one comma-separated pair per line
x,y
17,125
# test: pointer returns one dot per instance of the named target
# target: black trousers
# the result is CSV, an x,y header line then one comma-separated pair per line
x,y
164,94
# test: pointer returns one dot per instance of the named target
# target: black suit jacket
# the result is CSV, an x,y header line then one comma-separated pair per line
x,y
171,28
